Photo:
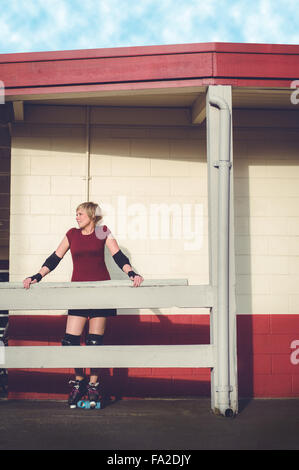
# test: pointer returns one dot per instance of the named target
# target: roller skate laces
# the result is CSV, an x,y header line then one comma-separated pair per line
x,y
93,394
77,392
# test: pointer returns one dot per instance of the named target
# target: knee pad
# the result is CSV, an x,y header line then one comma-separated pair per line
x,y
94,340
70,340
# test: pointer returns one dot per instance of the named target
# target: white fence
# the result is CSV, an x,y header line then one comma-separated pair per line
x,y
107,294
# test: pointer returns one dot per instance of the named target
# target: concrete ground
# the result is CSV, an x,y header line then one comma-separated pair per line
x,y
149,424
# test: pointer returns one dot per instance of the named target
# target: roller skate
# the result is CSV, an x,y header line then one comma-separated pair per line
x,y
77,392
92,400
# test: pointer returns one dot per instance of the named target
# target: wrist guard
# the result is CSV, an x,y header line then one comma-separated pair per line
x,y
37,276
132,274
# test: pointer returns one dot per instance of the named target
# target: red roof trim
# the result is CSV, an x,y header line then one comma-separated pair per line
x,y
136,67
150,50
106,53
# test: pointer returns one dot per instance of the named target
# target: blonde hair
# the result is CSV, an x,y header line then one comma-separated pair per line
x,y
93,211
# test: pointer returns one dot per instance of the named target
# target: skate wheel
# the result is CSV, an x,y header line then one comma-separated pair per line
x,y
83,404
95,405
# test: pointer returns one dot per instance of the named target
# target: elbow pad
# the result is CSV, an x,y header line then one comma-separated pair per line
x,y
121,259
52,262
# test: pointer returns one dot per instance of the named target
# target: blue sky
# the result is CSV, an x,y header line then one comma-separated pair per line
x,y
45,25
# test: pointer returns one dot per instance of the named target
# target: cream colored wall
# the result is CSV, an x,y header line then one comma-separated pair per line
x,y
155,156
46,181
147,167
145,157
266,170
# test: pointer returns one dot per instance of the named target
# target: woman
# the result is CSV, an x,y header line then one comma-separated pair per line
x,y
87,245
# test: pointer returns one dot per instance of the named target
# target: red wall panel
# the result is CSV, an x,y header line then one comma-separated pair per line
x,y
265,365
133,382
265,355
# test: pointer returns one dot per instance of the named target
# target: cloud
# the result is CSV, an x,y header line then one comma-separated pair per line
x,y
36,25
266,21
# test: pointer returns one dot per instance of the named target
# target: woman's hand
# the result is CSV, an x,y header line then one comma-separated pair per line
x,y
28,281
137,280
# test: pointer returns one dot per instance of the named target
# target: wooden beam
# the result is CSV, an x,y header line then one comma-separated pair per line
x,y
199,110
39,357
18,109
104,294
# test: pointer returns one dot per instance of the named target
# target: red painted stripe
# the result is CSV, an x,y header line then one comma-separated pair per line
x,y
272,386
267,365
285,324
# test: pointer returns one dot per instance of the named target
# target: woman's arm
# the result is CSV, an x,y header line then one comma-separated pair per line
x,y
49,264
114,249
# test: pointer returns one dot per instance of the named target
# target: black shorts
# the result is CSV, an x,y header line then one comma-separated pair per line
x,y
93,313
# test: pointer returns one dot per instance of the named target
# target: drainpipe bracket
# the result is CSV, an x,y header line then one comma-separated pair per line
x,y
227,388
222,163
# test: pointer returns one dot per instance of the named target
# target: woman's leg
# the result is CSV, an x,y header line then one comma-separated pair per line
x,y
97,326
75,326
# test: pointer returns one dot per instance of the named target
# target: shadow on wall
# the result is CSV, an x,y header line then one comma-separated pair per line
x,y
243,273
124,382
266,195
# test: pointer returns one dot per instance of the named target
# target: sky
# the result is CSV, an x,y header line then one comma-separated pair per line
x,y
52,25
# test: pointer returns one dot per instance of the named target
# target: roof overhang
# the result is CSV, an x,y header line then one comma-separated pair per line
x,y
167,76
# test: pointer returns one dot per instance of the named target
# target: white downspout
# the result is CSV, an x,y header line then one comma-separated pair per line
x,y
224,164
87,151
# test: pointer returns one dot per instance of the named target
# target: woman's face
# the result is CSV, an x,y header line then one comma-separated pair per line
x,y
82,218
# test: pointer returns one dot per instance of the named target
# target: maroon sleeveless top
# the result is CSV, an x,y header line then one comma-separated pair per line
x,y
88,254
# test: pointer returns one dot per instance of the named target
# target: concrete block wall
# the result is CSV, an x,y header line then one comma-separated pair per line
x,y
140,171
46,184
132,169
160,158
4,184
266,171
156,159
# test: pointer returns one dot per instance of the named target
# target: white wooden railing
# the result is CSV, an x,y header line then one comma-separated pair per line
x,y
152,294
